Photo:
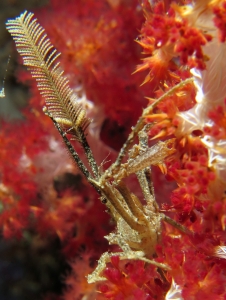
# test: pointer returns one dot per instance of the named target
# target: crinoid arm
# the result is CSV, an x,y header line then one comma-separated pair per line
x,y
41,57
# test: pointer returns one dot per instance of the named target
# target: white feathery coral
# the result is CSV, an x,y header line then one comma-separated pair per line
x,y
174,292
220,251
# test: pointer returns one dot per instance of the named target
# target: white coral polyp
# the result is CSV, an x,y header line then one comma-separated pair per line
x,y
220,251
211,89
174,292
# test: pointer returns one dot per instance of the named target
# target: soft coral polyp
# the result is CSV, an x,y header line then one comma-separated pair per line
x,y
132,280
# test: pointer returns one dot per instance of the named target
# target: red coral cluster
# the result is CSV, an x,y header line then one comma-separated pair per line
x,y
164,118
194,268
193,177
99,54
194,202
18,188
165,37
218,126
132,280
220,20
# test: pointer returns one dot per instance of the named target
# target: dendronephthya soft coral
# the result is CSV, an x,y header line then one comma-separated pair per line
x,y
187,42
192,38
211,87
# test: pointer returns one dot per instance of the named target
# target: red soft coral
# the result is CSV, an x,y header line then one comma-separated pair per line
x,y
166,37
132,280
220,19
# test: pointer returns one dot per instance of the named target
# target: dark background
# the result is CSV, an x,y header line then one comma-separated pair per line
x,y
16,94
